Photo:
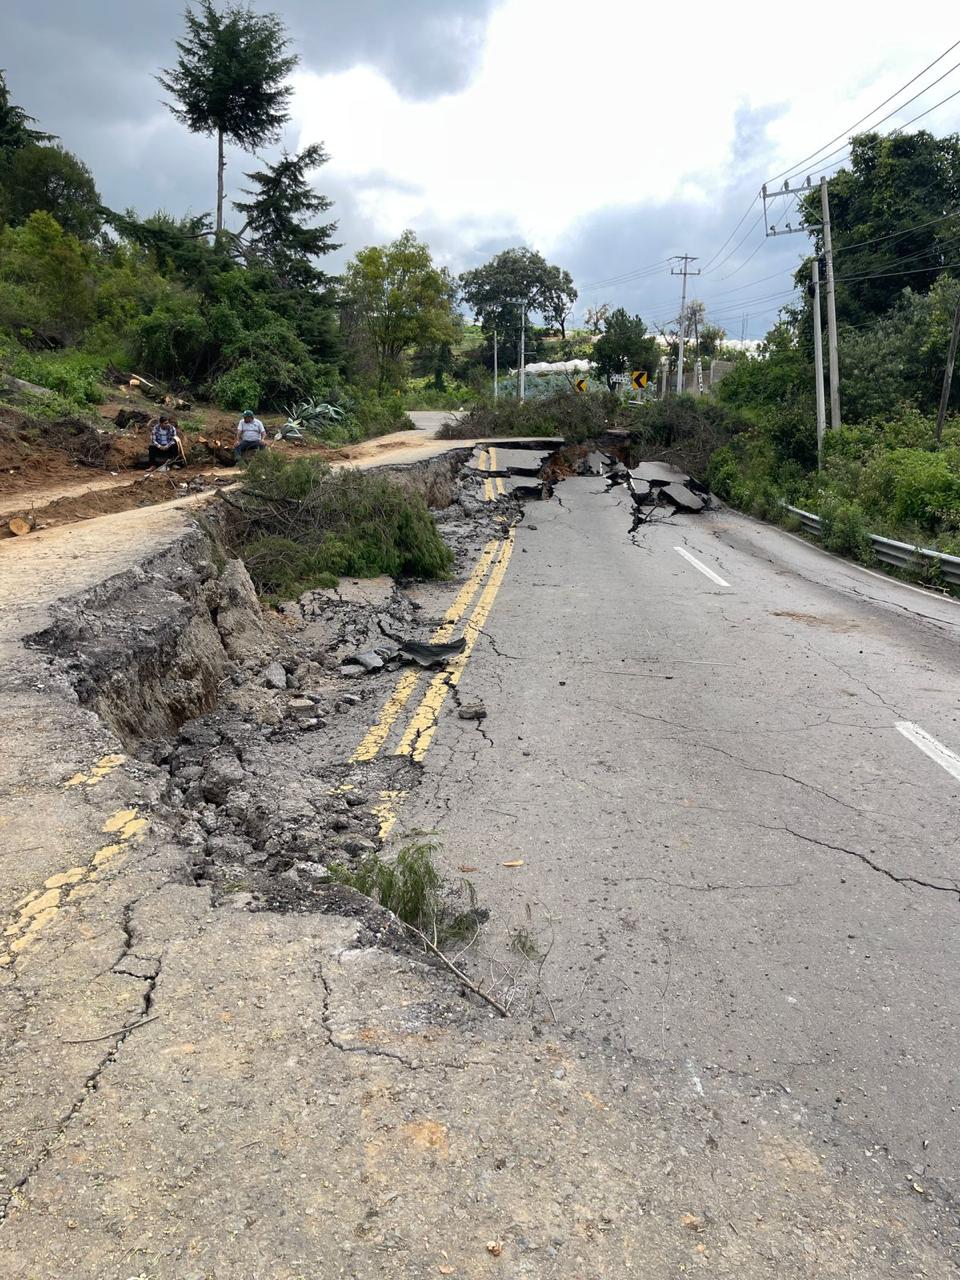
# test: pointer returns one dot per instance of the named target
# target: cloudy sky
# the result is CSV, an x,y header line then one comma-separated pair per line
x,y
610,135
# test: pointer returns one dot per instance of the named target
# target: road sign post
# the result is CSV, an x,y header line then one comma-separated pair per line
x,y
580,385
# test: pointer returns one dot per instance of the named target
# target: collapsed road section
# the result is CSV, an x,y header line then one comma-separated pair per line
x,y
262,723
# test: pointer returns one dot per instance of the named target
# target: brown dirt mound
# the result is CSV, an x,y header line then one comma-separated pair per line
x,y
33,452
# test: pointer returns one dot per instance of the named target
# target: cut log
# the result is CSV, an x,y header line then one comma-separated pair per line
x,y
18,526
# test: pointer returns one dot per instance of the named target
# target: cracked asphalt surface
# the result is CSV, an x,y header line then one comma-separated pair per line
x,y
733,859
737,1053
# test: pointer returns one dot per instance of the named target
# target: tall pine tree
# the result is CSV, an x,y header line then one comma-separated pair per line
x,y
278,231
229,79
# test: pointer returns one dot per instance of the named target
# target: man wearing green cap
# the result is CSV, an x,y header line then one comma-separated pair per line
x,y
251,434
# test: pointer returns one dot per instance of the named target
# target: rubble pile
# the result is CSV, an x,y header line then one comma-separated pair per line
x,y
657,488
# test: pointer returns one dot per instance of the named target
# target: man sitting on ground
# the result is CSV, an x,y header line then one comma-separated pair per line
x,y
164,443
251,434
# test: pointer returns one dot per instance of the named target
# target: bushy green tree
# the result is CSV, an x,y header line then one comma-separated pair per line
x,y
15,130
514,280
229,80
281,239
50,179
895,219
396,299
47,282
278,231
623,346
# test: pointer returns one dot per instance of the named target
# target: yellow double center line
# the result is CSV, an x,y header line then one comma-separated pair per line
x,y
492,488
406,685
423,723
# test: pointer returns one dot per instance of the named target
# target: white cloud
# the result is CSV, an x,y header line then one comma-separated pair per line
x,y
577,107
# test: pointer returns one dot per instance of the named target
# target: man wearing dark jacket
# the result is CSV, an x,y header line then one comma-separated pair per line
x,y
164,443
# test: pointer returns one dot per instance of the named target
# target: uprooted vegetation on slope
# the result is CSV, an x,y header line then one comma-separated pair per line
x,y
299,525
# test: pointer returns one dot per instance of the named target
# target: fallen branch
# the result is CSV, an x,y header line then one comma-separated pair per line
x,y
120,1031
445,960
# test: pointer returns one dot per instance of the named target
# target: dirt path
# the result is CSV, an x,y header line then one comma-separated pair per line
x,y
89,496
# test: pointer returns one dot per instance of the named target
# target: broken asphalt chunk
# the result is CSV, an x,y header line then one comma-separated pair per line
x,y
595,464
522,487
683,499
493,460
370,660
658,473
472,711
432,655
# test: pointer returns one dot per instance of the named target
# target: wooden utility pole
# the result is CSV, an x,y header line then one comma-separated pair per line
x,y
948,372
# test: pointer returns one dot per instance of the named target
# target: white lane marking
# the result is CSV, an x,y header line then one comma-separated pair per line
x,y
714,577
943,756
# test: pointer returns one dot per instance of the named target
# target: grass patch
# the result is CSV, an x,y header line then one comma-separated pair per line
x,y
75,377
411,886
303,526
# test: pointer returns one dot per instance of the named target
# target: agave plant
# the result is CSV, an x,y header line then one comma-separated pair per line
x,y
313,414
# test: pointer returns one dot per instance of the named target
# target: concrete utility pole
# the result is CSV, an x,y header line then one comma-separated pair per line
x,y
521,374
948,372
496,380
831,310
818,362
684,271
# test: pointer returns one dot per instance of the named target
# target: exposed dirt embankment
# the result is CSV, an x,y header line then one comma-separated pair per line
x,y
147,650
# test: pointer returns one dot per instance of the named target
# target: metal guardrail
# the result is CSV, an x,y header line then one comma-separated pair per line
x,y
901,555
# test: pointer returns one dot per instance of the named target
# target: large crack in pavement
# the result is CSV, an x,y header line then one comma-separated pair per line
x,y
91,1083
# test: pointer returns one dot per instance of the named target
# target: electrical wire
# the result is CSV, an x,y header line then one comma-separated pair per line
x,y
706,266
846,132
741,265
740,243
899,129
905,231
652,269
884,275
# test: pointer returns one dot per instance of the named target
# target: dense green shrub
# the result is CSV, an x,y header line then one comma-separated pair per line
x,y
304,525
912,486
844,528
575,417
73,375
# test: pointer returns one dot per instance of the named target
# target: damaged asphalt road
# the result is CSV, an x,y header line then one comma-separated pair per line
x,y
726,951
692,794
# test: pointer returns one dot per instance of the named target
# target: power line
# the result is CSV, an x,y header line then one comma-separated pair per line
x,y
654,268
732,273
732,233
750,230
898,129
846,132
905,231
882,275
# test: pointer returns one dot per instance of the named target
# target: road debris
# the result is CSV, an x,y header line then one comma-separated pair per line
x,y
472,711
657,488
432,655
